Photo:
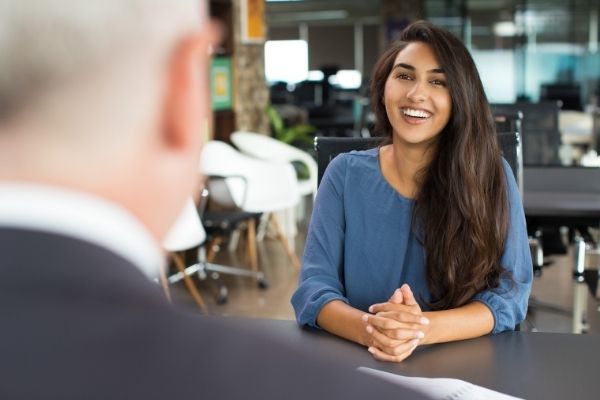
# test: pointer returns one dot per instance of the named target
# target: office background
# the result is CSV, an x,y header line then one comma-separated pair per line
x,y
312,65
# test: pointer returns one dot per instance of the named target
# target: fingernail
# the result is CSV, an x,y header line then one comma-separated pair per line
x,y
365,317
420,335
414,342
371,309
369,329
424,321
371,350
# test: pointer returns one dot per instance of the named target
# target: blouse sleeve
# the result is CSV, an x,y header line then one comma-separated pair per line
x,y
321,276
508,302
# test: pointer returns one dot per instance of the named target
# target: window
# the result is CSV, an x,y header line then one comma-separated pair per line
x,y
286,61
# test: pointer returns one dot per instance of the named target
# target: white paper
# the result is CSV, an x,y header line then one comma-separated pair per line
x,y
440,388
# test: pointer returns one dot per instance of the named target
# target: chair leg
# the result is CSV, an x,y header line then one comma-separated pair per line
x,y
191,286
164,283
263,223
251,243
251,254
216,242
288,249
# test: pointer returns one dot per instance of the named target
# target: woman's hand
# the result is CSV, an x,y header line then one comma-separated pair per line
x,y
397,326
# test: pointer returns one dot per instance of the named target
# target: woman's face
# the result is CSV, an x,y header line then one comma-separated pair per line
x,y
416,97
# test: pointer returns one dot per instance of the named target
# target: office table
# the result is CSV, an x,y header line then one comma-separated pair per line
x,y
565,196
523,364
564,205
565,193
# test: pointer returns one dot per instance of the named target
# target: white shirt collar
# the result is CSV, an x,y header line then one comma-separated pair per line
x,y
82,216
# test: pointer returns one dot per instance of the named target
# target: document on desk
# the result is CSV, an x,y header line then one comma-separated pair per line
x,y
440,388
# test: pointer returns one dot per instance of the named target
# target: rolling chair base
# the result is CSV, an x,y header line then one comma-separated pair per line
x,y
203,269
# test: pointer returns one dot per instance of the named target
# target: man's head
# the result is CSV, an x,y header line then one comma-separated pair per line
x,y
106,96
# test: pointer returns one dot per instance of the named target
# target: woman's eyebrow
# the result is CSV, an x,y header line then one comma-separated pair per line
x,y
411,68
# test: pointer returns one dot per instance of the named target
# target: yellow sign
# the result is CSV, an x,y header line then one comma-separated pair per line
x,y
253,21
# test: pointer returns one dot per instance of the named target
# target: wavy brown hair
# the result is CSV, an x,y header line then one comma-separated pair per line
x,y
461,206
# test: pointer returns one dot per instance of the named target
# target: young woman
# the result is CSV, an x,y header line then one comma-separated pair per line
x,y
421,240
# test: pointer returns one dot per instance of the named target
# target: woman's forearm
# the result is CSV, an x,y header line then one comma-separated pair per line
x,y
469,321
340,319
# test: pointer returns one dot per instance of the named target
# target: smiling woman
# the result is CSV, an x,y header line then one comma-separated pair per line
x,y
423,239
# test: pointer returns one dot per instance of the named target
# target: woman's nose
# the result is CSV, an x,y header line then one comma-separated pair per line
x,y
417,93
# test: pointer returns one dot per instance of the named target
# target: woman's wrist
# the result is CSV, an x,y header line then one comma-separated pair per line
x,y
429,329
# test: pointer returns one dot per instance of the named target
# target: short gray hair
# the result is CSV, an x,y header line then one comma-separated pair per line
x,y
44,43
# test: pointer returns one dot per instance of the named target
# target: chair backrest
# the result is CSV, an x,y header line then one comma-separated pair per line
x,y
329,147
507,128
255,185
269,149
540,130
187,231
508,131
217,194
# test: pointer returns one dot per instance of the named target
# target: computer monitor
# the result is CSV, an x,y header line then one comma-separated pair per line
x,y
568,93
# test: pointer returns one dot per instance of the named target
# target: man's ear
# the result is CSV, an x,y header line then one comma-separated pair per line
x,y
186,106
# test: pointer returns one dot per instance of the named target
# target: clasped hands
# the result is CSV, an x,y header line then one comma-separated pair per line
x,y
395,328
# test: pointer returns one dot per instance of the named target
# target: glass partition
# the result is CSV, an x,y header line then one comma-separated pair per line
x,y
532,53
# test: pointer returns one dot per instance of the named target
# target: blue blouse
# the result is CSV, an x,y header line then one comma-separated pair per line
x,y
361,247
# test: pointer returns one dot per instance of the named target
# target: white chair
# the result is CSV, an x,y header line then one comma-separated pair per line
x,y
270,149
265,187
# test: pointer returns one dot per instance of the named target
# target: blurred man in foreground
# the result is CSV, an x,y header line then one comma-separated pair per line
x,y
101,105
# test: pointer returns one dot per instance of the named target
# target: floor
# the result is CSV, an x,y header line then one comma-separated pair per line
x,y
553,290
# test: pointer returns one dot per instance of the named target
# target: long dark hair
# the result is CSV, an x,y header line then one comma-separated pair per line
x,y
461,205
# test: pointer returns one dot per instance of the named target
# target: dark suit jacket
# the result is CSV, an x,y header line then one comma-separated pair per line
x,y
79,322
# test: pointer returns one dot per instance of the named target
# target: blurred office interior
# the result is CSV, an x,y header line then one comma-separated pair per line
x,y
305,73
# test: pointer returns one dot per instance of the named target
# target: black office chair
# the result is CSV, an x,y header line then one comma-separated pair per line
x,y
507,127
329,147
221,217
539,130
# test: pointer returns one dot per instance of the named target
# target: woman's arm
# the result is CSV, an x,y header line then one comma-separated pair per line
x,y
320,280
345,321
469,321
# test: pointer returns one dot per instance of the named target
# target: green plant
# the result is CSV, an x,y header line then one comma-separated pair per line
x,y
297,133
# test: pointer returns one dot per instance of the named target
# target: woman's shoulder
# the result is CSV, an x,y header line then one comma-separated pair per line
x,y
509,174
359,157
353,164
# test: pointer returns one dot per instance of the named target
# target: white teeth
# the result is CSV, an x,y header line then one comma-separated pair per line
x,y
416,113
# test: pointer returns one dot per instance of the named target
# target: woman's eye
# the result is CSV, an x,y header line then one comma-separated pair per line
x,y
403,76
438,82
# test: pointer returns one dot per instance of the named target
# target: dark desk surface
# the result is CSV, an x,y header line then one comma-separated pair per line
x,y
523,364
562,195
561,204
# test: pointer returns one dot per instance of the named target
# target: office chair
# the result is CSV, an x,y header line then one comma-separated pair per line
x,y
221,216
508,135
329,147
540,131
198,227
269,149
507,123
255,186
